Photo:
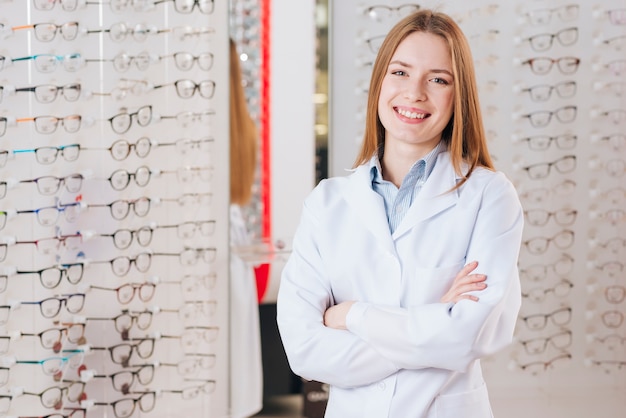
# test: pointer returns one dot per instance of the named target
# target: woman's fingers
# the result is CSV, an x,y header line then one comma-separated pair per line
x,y
464,283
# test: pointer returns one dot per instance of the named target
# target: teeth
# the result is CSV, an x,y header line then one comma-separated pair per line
x,y
412,115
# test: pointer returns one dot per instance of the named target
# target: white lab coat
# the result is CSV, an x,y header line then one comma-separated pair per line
x,y
405,354
246,374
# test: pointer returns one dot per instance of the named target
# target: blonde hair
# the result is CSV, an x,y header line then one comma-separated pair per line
x,y
464,135
243,137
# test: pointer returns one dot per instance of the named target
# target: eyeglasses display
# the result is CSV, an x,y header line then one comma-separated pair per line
x,y
163,55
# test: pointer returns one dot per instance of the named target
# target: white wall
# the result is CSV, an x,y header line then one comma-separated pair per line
x,y
292,119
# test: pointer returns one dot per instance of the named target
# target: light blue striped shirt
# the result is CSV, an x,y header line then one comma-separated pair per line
x,y
398,201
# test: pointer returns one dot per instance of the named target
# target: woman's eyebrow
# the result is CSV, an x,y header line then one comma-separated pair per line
x,y
434,70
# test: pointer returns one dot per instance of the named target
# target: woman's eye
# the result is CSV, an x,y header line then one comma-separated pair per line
x,y
398,72
440,80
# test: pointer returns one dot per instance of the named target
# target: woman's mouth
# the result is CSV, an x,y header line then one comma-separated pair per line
x,y
412,115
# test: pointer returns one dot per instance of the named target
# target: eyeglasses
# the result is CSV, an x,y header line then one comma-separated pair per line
x,y
616,67
614,216
184,61
47,93
543,92
49,124
186,230
616,140
565,164
616,115
543,41
66,5
195,336
121,353
118,32
612,318
51,277
612,268
52,245
375,42
190,256
123,61
614,168
127,292
48,155
124,380
47,63
615,293
188,6
541,119
615,42
121,149
540,217
187,117
54,366
617,16
192,392
543,65
611,341
120,179
49,185
614,195
122,238
560,340
125,321
558,317
195,309
193,285
121,208
538,294
183,33
121,265
537,272
609,366
544,16
617,88
186,88
122,122
50,307
52,338
187,200
382,12
614,244
537,367
124,408
539,245
46,32
50,398
193,363
543,142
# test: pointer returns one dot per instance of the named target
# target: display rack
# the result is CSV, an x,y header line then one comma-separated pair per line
x,y
114,208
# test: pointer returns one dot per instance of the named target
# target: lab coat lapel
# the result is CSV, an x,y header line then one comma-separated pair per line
x,y
368,206
434,196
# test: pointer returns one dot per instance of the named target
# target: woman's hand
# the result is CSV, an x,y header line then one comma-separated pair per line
x,y
465,282
335,316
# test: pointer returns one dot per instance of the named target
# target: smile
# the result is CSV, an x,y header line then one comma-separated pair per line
x,y
412,115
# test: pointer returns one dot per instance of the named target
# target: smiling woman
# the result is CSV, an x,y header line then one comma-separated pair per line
x,y
403,274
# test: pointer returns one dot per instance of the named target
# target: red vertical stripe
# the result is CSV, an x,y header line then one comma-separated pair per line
x,y
263,271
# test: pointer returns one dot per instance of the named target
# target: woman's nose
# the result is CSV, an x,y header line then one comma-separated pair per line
x,y
415,92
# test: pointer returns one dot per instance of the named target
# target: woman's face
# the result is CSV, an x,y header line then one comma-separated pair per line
x,y
417,93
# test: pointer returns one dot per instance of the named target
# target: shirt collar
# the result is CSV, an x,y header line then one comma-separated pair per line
x,y
429,160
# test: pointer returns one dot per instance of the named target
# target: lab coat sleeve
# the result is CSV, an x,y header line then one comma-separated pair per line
x,y
453,336
315,352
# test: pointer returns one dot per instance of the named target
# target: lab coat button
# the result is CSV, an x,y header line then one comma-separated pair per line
x,y
381,386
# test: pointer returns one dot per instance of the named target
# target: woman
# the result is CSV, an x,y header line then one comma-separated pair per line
x,y
246,374
404,273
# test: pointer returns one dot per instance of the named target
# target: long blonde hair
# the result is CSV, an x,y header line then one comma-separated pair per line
x,y
243,136
464,135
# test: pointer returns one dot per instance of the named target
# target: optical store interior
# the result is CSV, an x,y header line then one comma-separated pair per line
x,y
118,296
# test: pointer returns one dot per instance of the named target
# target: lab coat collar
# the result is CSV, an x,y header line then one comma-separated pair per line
x,y
368,205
